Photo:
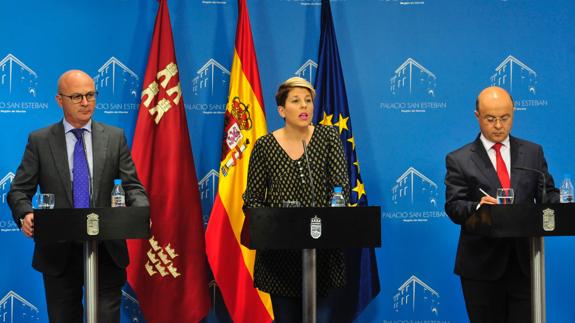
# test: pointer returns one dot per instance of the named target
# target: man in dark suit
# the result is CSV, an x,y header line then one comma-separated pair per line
x,y
48,162
494,272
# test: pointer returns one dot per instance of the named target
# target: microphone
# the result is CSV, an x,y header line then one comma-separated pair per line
x,y
89,173
309,172
544,191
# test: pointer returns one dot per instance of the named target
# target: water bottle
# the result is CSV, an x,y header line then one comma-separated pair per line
x,y
118,194
566,190
337,199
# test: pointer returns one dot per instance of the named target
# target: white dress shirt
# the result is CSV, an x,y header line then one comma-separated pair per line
x,y
71,141
505,152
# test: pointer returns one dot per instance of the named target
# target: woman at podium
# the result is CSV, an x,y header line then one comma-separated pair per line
x,y
297,165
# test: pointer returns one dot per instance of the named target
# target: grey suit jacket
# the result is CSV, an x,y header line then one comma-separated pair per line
x,y
45,164
469,169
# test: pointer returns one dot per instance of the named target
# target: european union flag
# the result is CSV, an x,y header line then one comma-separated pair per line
x,y
332,109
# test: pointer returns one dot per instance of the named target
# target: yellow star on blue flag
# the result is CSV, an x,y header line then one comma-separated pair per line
x,y
359,189
326,121
352,143
342,123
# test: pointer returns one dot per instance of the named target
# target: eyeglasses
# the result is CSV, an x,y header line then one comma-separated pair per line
x,y
77,97
493,120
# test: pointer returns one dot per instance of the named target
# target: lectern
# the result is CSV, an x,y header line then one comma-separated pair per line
x,y
533,221
91,226
310,229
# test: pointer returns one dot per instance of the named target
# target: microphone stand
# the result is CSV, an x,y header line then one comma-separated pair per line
x,y
90,261
309,274
543,177
537,249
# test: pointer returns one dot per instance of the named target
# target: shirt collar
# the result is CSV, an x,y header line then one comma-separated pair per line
x,y
488,144
68,127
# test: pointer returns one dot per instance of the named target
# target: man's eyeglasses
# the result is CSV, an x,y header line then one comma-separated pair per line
x,y
493,120
77,97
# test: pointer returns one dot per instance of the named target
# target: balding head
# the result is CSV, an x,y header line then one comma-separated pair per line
x,y
492,93
77,97
72,77
494,111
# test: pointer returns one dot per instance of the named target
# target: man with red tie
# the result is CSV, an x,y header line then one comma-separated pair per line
x,y
494,272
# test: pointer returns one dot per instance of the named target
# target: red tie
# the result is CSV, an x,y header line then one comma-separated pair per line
x,y
501,168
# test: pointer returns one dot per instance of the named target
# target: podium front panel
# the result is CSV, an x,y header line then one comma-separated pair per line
x,y
524,220
71,224
312,228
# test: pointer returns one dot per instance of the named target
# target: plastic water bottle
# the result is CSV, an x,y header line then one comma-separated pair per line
x,y
337,199
118,194
566,190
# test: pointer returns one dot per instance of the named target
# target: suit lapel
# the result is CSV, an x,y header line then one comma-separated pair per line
x,y
99,151
481,159
516,159
57,142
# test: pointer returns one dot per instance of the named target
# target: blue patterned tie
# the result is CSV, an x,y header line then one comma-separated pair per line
x,y
80,172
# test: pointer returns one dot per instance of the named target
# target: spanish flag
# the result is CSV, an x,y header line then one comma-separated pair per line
x,y
244,122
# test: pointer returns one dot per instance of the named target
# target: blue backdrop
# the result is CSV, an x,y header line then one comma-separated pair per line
x,y
412,70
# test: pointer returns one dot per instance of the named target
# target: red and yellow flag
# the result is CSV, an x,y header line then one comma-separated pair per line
x,y
168,272
244,122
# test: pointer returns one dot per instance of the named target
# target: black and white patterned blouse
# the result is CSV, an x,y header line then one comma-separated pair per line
x,y
274,177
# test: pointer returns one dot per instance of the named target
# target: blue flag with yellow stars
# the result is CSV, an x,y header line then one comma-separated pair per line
x,y
332,109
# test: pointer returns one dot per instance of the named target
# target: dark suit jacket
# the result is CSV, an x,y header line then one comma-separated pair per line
x,y
468,170
45,163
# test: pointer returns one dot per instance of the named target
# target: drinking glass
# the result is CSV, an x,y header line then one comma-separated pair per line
x,y
505,195
46,201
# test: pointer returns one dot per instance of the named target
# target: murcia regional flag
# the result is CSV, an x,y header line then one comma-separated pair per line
x,y
168,272
244,122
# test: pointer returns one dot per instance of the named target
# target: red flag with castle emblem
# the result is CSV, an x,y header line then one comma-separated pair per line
x,y
168,272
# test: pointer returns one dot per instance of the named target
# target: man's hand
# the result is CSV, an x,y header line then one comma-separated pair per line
x,y
28,225
487,200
